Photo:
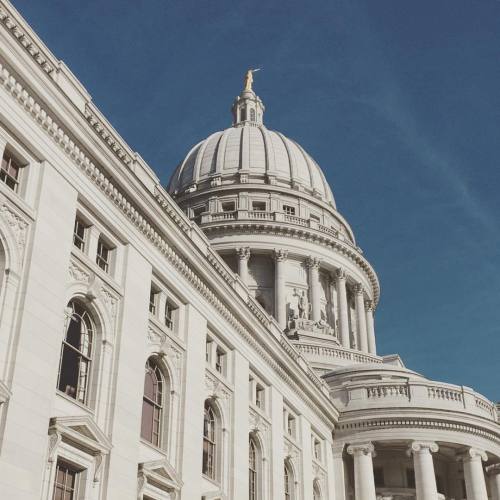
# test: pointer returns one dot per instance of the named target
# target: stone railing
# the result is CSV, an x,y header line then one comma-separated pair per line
x,y
412,393
333,355
210,217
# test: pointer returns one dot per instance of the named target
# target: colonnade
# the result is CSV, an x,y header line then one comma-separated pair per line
x,y
363,308
425,477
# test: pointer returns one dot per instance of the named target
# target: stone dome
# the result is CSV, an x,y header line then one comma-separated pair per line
x,y
248,152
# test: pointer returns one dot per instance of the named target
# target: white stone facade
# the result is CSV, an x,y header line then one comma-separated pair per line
x,y
219,346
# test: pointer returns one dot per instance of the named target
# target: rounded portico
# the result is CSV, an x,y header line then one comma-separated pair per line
x,y
402,436
268,210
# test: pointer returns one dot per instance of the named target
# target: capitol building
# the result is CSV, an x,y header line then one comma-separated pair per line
x,y
212,339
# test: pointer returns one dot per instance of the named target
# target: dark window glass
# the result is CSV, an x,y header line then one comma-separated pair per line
x,y
9,171
209,442
228,206
288,483
288,210
152,403
153,296
79,235
219,360
76,355
410,478
103,255
252,471
169,314
65,482
378,473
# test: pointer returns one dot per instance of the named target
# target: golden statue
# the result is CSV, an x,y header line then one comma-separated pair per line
x,y
249,79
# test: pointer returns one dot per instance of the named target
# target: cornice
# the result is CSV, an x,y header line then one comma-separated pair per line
x,y
348,429
303,233
116,195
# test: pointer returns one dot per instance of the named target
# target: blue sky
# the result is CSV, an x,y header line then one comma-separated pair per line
x,y
398,101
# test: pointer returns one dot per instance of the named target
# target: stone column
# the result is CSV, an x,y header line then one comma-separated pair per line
x,y
243,258
314,287
370,327
494,475
279,286
425,477
475,483
343,312
361,317
364,481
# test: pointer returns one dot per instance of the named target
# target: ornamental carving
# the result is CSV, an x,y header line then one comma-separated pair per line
x,y
77,273
290,451
243,253
280,255
358,289
257,424
17,224
313,262
215,388
340,273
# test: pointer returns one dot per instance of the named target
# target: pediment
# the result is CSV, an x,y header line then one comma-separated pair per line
x,y
161,474
81,431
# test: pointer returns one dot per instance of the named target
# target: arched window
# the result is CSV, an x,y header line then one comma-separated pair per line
x,y
253,471
289,483
316,491
209,442
152,403
76,353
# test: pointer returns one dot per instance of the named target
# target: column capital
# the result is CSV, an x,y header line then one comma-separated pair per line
x,y
243,253
369,306
422,446
366,448
313,262
340,273
493,470
280,255
473,454
358,289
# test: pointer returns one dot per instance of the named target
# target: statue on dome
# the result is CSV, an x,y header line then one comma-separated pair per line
x,y
304,306
249,79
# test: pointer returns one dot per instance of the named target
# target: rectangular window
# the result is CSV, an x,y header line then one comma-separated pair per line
x,y
65,482
220,356
259,397
259,206
153,300
103,257
208,351
290,426
228,206
9,171
317,449
79,234
289,210
169,315
198,211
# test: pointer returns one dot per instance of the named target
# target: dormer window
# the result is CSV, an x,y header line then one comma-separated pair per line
x,y
9,171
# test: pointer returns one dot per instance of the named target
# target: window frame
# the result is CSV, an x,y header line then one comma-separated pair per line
x,y
82,240
289,209
66,346
211,424
5,175
102,262
75,493
158,405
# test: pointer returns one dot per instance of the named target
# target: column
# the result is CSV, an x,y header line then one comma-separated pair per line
x,y
494,475
361,317
475,483
370,327
364,481
425,477
314,287
279,286
243,258
343,313
331,304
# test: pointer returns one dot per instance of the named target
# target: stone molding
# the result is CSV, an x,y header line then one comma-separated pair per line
x,y
18,224
417,423
134,215
37,53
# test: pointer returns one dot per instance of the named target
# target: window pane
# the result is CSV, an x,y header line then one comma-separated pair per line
x,y
147,420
